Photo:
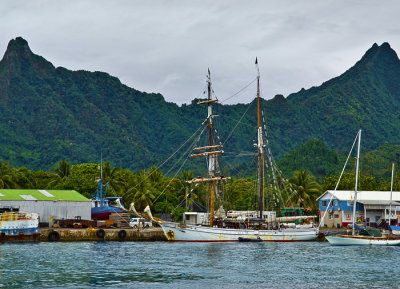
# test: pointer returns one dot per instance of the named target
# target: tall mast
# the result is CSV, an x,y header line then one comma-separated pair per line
x,y
211,152
101,179
211,157
260,147
356,184
391,193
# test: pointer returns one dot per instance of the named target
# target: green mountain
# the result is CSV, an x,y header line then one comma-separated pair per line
x,y
49,114
366,96
322,161
378,162
314,156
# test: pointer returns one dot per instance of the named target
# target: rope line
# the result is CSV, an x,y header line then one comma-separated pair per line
x,y
341,174
233,95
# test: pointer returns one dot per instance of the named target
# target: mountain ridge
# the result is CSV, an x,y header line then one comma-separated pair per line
x,y
49,113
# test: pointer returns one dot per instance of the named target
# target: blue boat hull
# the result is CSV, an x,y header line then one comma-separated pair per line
x,y
102,213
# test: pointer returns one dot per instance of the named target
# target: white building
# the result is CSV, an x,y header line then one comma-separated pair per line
x,y
58,204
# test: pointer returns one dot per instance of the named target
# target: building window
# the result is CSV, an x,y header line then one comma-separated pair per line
x,y
336,216
335,202
330,217
324,203
187,217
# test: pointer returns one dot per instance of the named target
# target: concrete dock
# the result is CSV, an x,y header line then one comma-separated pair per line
x,y
100,234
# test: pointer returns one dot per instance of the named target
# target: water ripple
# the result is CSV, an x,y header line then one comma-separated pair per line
x,y
184,265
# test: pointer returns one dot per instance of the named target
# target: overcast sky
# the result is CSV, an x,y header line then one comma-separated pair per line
x,y
167,46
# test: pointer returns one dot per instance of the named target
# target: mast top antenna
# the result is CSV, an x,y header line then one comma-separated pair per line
x,y
258,69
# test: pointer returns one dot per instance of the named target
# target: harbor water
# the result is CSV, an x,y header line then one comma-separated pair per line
x,y
197,265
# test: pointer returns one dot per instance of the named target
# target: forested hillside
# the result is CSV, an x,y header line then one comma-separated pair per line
x,y
50,114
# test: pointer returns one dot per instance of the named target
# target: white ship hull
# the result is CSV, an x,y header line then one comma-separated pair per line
x,y
361,240
193,233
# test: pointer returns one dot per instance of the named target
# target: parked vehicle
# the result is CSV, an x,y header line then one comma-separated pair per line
x,y
135,222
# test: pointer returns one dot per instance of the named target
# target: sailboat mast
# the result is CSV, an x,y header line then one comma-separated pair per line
x,y
211,152
260,147
101,179
356,184
211,157
391,193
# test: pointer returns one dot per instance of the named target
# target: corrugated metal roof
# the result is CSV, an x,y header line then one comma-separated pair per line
x,y
42,195
362,195
380,202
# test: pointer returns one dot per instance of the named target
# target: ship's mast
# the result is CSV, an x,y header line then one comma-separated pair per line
x,y
211,157
211,152
260,147
356,184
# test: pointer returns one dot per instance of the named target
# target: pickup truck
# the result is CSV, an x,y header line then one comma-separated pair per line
x,y
134,223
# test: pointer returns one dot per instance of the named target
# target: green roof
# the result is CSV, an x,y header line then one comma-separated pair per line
x,y
42,195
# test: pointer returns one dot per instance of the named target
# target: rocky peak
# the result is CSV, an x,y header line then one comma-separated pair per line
x,y
18,47
19,58
380,55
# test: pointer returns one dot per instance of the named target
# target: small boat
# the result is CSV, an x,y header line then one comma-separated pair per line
x,y
19,227
346,240
102,206
395,230
364,237
258,239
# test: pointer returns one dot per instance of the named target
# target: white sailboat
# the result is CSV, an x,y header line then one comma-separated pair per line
x,y
356,239
258,230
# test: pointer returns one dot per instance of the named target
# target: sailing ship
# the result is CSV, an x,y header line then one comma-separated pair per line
x,y
363,237
255,229
103,206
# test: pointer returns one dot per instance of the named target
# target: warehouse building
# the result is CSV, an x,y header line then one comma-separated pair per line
x,y
49,204
372,208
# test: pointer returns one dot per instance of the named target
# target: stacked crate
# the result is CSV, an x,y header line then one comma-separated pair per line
x,y
121,220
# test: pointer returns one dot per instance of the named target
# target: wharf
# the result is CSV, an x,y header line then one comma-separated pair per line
x,y
100,234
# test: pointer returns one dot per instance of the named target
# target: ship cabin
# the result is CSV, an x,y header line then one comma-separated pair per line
x,y
203,218
294,212
372,208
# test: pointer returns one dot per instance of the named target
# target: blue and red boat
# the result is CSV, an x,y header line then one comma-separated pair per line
x,y
102,206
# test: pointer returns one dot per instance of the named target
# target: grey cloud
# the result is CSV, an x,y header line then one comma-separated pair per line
x,y
167,46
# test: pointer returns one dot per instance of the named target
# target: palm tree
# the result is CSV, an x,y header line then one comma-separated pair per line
x,y
141,190
7,177
155,175
63,170
112,177
306,189
24,178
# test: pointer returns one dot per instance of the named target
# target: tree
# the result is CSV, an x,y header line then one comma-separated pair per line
x,y
61,173
7,177
306,189
112,177
82,179
24,178
347,182
240,194
141,190
63,170
42,179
